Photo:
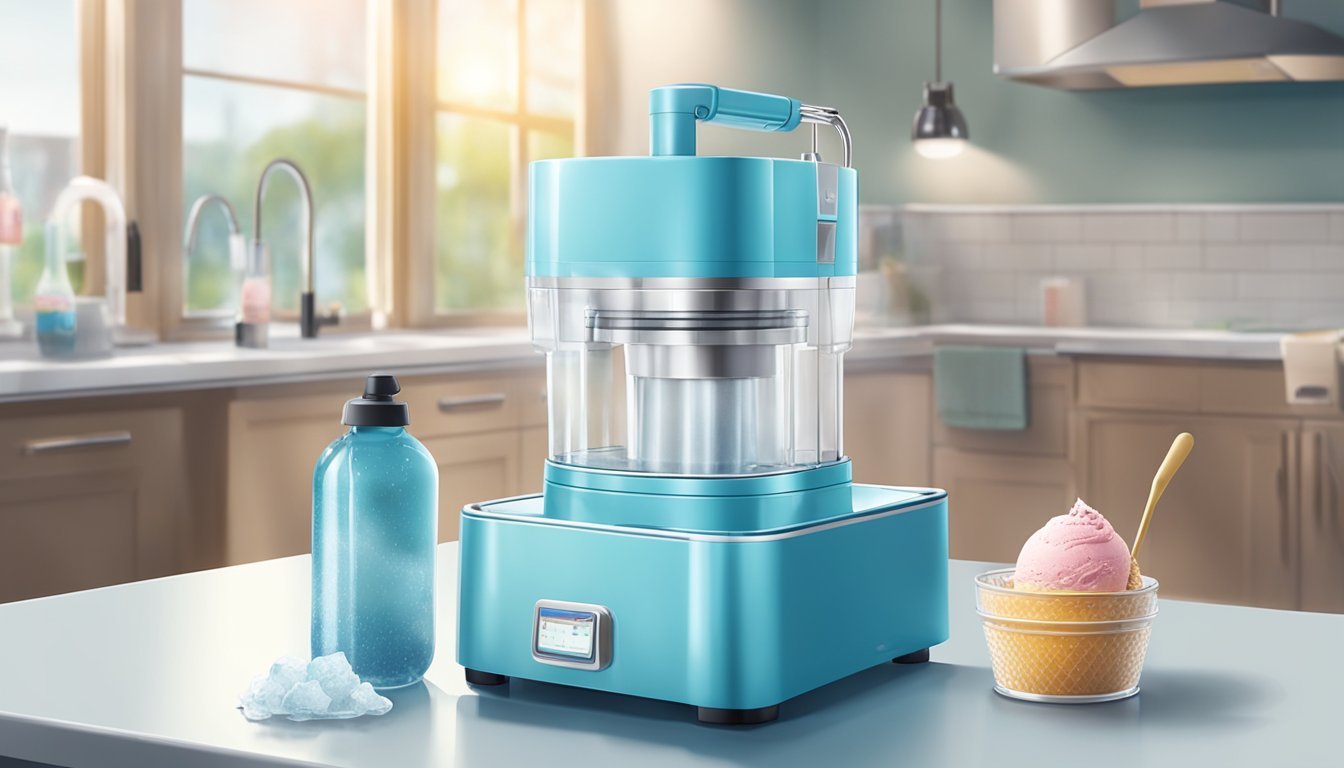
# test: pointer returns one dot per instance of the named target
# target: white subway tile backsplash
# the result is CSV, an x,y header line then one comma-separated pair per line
x,y
1237,258
958,255
1046,228
1285,227
1169,257
1074,257
1203,285
1294,286
1189,227
1019,256
1313,258
1229,266
1129,227
1220,227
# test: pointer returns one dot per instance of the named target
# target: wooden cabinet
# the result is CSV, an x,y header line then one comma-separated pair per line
x,y
89,500
1322,517
1226,530
275,437
471,424
996,501
473,468
888,423
1003,484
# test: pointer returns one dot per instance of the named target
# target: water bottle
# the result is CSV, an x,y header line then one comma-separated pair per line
x,y
375,527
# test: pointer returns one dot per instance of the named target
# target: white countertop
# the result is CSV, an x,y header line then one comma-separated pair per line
x,y
195,365
148,674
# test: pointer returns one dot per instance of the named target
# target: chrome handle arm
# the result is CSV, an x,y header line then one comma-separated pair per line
x,y
830,116
58,444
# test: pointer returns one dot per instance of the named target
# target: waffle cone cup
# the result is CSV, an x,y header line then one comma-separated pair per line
x,y
1065,646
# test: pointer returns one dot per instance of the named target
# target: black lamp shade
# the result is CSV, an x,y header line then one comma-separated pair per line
x,y
939,118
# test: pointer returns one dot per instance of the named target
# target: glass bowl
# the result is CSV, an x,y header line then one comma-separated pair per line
x,y
1065,647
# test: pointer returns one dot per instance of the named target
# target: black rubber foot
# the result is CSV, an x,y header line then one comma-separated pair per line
x,y
738,716
918,657
476,677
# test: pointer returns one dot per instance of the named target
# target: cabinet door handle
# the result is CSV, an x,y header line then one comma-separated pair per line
x,y
1281,480
57,444
1318,487
1327,472
450,404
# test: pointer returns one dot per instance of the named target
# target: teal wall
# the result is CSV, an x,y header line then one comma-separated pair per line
x,y
1201,144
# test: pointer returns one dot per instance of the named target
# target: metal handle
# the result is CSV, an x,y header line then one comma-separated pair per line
x,y
449,404
1327,472
1281,480
56,444
1317,490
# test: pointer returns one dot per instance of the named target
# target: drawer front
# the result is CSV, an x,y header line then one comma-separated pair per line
x,y
1050,402
56,445
1138,386
1249,389
458,405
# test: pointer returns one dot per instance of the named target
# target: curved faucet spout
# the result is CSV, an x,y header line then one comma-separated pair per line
x,y
299,178
88,188
193,219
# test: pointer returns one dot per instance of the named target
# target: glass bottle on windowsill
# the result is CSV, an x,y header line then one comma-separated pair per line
x,y
254,299
54,300
11,237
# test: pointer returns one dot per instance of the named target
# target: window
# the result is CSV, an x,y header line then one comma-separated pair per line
x,y
508,78
263,80
40,104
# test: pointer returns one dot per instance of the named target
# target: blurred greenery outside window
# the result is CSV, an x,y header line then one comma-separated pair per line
x,y
40,104
263,80
508,74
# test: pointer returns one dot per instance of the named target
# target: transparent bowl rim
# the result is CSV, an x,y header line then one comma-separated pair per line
x,y
1149,586
1139,623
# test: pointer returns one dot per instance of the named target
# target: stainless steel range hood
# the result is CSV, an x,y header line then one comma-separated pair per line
x,y
1074,45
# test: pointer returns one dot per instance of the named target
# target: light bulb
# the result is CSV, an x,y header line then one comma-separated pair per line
x,y
938,149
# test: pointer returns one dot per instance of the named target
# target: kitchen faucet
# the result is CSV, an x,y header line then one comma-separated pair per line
x,y
308,319
193,220
84,188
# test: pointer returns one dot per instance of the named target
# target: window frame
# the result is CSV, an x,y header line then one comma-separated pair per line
x,y
132,72
420,284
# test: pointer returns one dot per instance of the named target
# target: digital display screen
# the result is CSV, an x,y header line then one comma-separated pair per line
x,y
566,633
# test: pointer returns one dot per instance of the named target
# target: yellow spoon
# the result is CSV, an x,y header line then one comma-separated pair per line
x,y
1180,448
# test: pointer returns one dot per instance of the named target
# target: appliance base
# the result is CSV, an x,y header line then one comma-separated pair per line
x,y
733,624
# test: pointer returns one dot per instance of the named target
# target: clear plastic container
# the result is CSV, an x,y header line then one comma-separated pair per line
x,y
694,377
1065,647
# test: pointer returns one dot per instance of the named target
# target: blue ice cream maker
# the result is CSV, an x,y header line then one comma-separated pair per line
x,y
698,538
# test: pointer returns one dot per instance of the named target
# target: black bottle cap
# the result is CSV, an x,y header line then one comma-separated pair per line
x,y
377,408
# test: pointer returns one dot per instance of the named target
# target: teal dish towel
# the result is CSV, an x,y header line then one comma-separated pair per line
x,y
981,387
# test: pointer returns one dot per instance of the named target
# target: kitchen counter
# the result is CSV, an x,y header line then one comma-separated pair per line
x,y
147,674
197,365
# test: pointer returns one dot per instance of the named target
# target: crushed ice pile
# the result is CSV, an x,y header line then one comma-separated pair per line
x,y
324,688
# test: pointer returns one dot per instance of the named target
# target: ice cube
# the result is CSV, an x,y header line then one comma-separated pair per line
x,y
366,701
306,701
324,688
263,696
333,672
288,671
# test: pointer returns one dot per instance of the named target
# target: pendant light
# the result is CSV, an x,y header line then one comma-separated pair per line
x,y
940,129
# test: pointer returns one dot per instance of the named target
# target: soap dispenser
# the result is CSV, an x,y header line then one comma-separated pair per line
x,y
375,528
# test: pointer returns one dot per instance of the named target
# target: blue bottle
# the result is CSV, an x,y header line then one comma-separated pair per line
x,y
375,528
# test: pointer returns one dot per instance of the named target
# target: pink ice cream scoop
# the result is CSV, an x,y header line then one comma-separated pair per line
x,y
1077,552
